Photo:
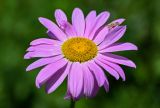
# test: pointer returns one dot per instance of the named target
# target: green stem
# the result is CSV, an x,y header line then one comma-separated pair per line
x,y
72,105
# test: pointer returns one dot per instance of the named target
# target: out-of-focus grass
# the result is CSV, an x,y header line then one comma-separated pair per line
x,y
19,25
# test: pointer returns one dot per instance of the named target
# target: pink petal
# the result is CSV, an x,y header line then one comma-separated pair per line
x,y
113,36
76,80
118,59
88,81
78,21
30,55
106,85
51,35
61,18
115,23
44,41
90,21
69,30
115,67
68,94
98,72
119,47
107,68
100,21
64,24
119,21
57,79
95,89
53,28
49,71
43,62
101,35
44,47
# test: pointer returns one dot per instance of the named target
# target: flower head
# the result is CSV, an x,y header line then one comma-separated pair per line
x,y
79,52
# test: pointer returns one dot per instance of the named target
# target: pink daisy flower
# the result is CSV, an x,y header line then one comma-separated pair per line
x,y
80,52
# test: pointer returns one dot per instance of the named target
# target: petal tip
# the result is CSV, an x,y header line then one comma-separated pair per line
x,y
41,20
48,91
107,13
134,65
26,56
77,8
77,11
27,69
38,84
57,10
136,48
123,79
122,19
117,78
125,27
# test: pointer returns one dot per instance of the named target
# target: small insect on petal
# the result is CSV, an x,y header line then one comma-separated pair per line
x,y
112,25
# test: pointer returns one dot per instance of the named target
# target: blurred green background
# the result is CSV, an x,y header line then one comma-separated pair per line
x,y
19,26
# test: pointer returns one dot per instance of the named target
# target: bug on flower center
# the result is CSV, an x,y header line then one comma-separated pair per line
x,y
79,49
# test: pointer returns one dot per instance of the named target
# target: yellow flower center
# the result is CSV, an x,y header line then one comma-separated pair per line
x,y
79,49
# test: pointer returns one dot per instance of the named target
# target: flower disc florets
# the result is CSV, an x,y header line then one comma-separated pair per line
x,y
79,49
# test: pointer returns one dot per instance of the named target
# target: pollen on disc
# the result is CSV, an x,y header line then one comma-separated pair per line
x,y
79,49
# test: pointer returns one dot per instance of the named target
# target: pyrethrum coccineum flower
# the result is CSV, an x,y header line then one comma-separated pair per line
x,y
79,51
